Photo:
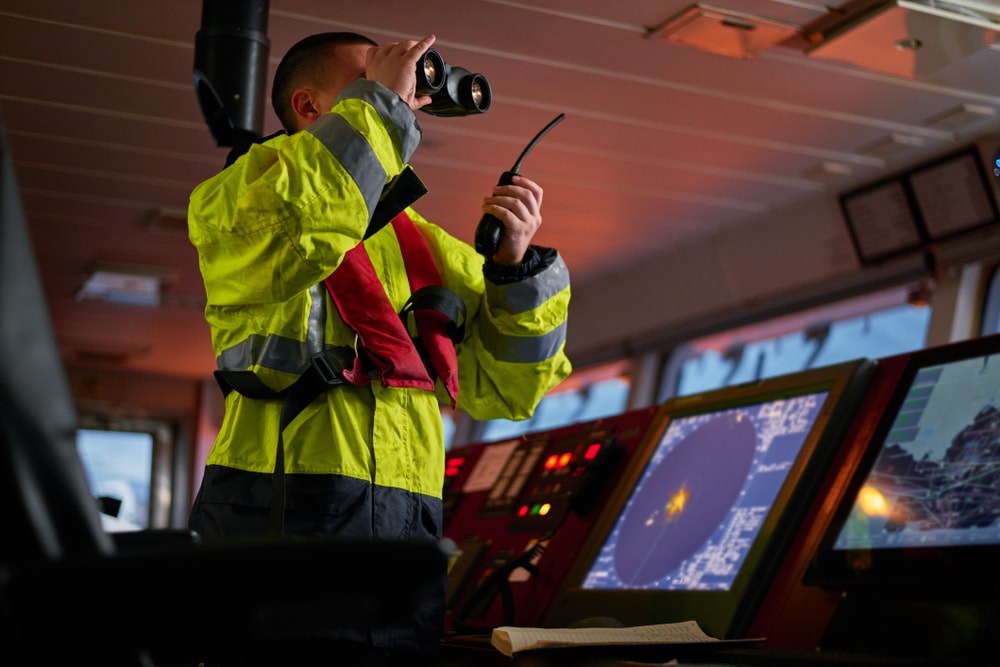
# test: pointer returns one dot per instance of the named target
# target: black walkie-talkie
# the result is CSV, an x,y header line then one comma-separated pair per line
x,y
490,229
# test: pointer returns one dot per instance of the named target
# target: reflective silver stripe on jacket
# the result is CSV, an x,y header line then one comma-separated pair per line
x,y
317,317
400,121
521,349
353,150
354,153
524,295
277,352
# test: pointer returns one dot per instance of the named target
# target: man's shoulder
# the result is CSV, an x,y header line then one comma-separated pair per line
x,y
241,158
243,146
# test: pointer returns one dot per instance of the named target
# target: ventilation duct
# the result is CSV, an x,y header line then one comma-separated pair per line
x,y
909,39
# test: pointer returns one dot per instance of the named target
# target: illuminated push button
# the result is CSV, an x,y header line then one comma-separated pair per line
x,y
544,509
592,451
453,466
523,510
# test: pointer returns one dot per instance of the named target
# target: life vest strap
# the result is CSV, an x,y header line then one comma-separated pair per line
x,y
324,373
397,358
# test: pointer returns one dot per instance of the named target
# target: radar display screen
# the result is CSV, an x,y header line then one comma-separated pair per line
x,y
705,493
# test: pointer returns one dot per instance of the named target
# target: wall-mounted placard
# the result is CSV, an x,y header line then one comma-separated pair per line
x,y
938,200
882,221
953,195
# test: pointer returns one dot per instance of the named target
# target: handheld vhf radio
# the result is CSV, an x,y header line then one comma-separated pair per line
x,y
490,229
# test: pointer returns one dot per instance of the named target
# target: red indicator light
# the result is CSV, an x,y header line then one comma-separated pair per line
x,y
457,461
592,451
565,459
523,510
451,471
551,462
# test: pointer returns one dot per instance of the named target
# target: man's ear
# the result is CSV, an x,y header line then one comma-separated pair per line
x,y
304,105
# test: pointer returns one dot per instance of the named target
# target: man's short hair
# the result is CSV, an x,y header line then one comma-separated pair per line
x,y
302,64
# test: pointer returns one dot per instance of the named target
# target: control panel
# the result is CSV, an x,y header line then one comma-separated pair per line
x,y
519,510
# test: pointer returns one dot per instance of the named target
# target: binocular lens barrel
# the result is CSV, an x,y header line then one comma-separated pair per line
x,y
431,73
479,93
454,90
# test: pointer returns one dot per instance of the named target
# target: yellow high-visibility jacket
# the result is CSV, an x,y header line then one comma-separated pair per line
x,y
362,461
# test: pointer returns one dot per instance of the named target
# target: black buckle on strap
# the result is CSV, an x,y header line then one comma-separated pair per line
x,y
331,363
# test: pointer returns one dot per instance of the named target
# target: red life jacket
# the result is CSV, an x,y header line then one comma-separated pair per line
x,y
382,333
438,313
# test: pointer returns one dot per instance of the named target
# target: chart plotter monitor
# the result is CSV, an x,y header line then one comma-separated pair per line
x,y
921,510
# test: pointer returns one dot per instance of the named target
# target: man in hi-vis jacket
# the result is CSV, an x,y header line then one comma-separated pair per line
x,y
319,277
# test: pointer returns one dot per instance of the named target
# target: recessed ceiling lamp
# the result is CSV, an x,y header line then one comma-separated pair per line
x,y
891,145
961,117
828,172
168,219
723,31
122,284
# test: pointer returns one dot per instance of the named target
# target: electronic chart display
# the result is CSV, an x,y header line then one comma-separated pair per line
x,y
704,496
921,509
936,479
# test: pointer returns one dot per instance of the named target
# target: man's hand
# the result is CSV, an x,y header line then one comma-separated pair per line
x,y
518,206
394,65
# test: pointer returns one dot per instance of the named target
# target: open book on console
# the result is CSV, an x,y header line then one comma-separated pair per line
x,y
682,636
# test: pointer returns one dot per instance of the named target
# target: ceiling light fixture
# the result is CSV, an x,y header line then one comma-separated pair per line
x,y
723,31
168,219
891,145
122,284
828,172
961,117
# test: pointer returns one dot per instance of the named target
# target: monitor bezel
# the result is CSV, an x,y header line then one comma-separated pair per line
x,y
722,614
954,571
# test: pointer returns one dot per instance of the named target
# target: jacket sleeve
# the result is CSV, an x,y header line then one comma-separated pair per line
x,y
513,349
281,218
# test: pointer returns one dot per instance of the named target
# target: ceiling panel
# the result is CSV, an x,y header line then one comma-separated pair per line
x,y
663,146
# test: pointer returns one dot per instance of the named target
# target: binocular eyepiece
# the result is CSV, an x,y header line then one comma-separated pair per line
x,y
454,91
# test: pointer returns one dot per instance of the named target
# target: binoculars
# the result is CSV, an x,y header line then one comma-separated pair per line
x,y
454,91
